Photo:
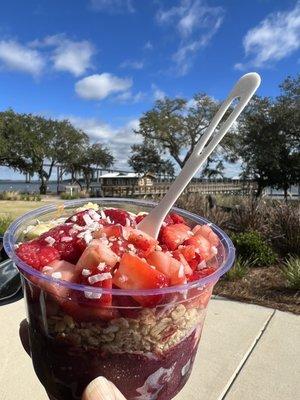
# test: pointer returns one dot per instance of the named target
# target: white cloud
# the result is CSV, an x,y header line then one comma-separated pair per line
x,y
130,98
158,94
275,38
99,86
66,54
196,24
134,64
113,6
17,57
118,140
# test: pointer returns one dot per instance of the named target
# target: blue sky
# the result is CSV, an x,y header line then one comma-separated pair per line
x,y
102,63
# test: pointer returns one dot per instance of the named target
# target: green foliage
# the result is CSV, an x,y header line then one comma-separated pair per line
x,y
5,221
252,247
69,196
174,127
291,272
146,158
30,197
268,139
239,269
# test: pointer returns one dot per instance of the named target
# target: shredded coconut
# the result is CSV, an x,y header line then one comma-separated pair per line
x,y
92,295
101,266
85,272
87,219
214,250
88,237
56,275
127,222
201,265
181,271
50,240
66,239
103,215
74,218
99,277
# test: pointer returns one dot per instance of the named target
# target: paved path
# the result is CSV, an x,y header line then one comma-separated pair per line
x,y
246,352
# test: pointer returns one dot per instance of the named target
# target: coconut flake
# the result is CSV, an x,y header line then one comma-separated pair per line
x,y
214,250
56,275
127,222
88,237
108,220
131,247
101,266
190,233
181,271
50,240
99,277
66,239
74,218
87,219
85,272
103,215
92,295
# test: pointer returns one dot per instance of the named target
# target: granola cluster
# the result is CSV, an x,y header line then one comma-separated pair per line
x,y
152,332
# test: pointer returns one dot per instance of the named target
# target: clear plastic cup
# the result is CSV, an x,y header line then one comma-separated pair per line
x,y
147,352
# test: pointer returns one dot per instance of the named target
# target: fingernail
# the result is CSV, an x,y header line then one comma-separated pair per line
x,y
99,389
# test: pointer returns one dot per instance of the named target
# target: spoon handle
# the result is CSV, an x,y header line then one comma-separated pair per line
x,y
243,90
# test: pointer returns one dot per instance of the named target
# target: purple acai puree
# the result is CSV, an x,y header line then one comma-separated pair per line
x,y
65,370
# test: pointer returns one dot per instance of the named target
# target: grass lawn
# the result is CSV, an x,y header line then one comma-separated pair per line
x,y
15,208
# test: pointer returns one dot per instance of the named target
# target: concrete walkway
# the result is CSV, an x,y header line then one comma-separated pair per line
x,y
246,352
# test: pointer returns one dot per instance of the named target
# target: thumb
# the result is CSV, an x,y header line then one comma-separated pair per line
x,y
102,389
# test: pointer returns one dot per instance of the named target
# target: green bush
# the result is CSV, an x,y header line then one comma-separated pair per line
x,y
4,222
239,270
291,272
252,247
10,195
68,196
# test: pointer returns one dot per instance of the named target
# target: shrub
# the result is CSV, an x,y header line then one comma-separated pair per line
x,y
239,269
5,220
68,196
251,246
284,228
291,272
10,195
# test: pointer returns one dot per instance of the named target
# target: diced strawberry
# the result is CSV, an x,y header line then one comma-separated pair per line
x,y
201,274
96,253
208,233
202,245
180,257
143,242
59,269
108,231
174,235
83,218
118,216
177,219
36,254
170,267
66,242
134,273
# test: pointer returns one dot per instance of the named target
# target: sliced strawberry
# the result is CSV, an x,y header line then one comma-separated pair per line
x,y
180,257
134,273
109,231
66,242
177,219
143,242
208,233
118,216
174,235
36,254
170,267
97,253
201,274
83,218
201,245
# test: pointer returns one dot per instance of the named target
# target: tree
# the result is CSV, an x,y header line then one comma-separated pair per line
x,y
146,158
269,142
175,127
89,156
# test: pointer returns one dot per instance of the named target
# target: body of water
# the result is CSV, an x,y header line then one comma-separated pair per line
x,y
23,187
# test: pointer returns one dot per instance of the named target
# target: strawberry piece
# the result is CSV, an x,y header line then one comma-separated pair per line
x,y
170,267
118,216
139,218
83,218
108,231
97,253
207,233
66,242
134,273
177,219
201,274
201,245
180,257
174,235
37,255
144,243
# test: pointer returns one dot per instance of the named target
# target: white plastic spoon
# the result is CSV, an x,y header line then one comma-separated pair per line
x,y
243,90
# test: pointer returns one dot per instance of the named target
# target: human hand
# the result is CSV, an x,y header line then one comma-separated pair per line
x,y
99,389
